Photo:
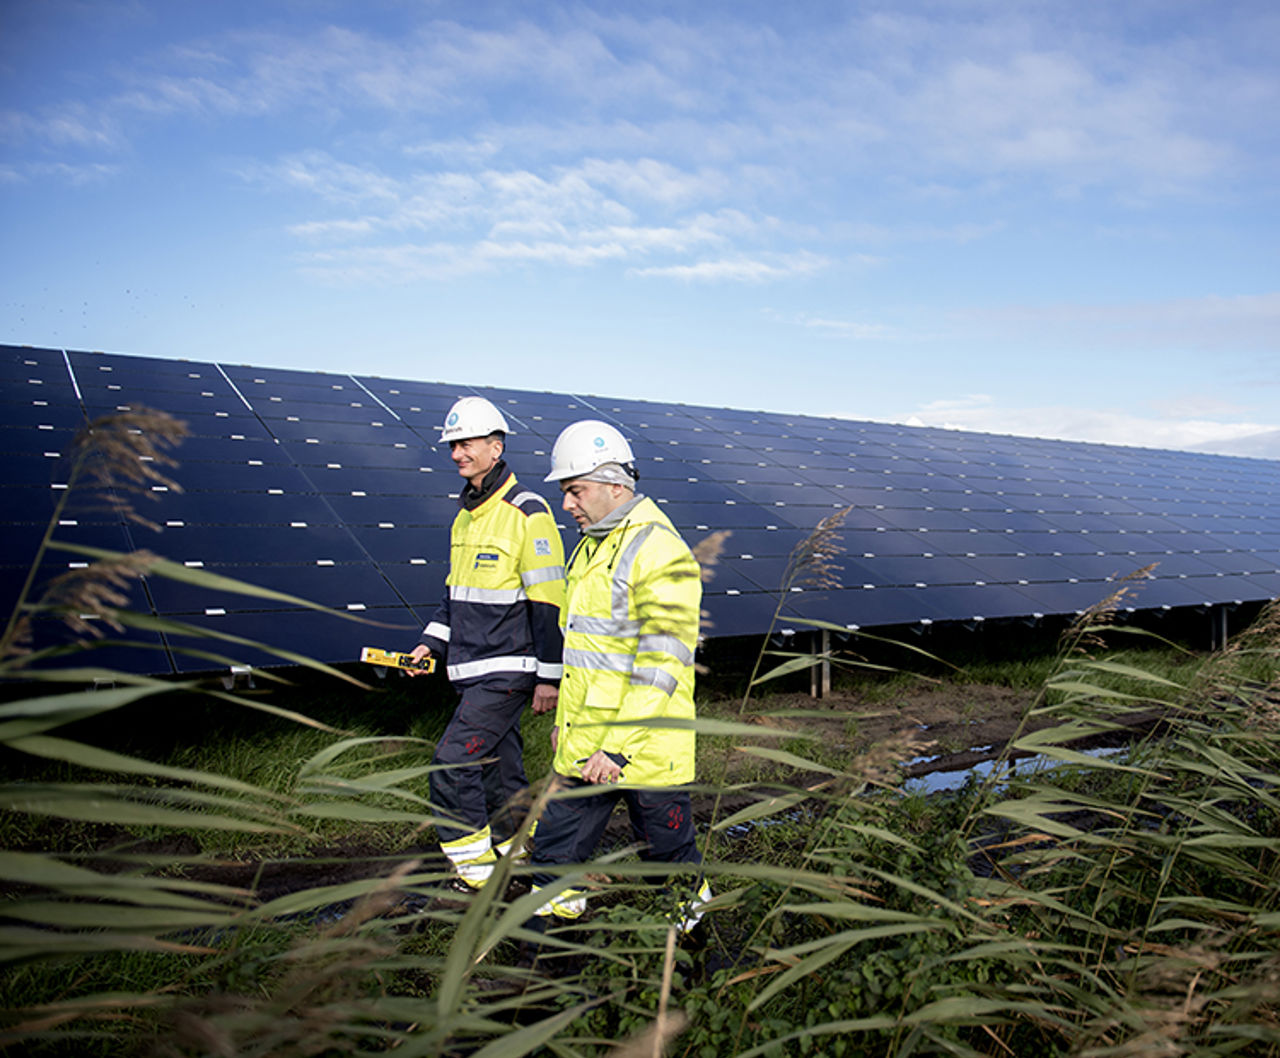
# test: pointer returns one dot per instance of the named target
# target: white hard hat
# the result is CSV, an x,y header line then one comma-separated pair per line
x,y
583,446
472,417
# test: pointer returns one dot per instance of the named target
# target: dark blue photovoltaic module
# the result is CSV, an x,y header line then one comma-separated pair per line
x,y
336,489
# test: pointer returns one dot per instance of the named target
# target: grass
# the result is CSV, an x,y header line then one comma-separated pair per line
x,y
856,920
1072,906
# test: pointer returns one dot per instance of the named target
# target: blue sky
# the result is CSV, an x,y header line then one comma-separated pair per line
x,y
1056,219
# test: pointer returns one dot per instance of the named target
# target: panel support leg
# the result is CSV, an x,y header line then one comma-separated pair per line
x,y
1217,627
820,674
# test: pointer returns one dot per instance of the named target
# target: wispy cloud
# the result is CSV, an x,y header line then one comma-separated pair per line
x,y
1050,112
71,125
1019,96
834,327
738,269
575,216
984,414
60,172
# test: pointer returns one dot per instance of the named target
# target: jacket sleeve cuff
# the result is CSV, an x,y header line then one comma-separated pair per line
x,y
438,645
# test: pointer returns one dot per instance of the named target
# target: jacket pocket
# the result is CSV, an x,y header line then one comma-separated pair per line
x,y
484,565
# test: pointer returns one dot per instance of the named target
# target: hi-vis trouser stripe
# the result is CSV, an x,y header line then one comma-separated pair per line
x,y
691,913
472,856
514,848
569,903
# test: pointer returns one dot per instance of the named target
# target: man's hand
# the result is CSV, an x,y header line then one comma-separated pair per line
x,y
555,738
545,696
418,653
600,768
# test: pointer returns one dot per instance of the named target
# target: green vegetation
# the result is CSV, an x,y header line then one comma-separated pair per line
x,y
1065,904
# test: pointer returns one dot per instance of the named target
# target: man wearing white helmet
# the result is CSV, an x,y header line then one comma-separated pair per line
x,y
498,629
630,621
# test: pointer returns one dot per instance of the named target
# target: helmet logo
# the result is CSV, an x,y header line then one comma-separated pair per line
x,y
452,420
599,442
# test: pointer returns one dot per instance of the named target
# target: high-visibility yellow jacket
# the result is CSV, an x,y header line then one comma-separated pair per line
x,y
500,617
630,620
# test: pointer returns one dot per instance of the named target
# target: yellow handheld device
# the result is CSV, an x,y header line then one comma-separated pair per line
x,y
396,660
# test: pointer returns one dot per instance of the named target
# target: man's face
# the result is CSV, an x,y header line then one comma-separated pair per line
x,y
589,501
475,456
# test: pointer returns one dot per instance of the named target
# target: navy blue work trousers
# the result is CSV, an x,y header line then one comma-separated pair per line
x,y
661,823
485,779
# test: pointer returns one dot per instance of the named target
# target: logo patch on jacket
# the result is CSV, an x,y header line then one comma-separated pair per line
x,y
487,558
541,546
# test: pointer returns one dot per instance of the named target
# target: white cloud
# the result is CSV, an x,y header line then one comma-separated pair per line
x,y
72,126
549,252
1264,445
981,413
738,269
1069,97
324,230
1052,112
567,215
60,172
647,178
848,330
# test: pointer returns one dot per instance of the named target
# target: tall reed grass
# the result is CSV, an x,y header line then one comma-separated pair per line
x,y
1080,905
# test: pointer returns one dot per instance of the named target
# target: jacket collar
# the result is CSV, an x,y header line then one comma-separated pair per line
x,y
599,530
471,497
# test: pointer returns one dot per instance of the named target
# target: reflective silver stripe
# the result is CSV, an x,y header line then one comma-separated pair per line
x,y
548,671
695,908
659,644
602,626
646,677
487,596
469,846
599,660
485,666
622,573
476,874
523,495
541,576
437,631
570,903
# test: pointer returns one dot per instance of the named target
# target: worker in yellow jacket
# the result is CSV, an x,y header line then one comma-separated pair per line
x,y
633,596
498,628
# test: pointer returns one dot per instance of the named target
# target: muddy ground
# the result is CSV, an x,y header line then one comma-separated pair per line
x,y
931,728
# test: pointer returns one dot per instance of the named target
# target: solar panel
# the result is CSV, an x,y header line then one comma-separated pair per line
x,y
337,489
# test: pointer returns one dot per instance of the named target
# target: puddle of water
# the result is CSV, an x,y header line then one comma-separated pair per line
x,y
940,781
989,748
741,830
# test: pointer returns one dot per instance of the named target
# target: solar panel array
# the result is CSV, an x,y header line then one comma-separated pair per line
x,y
334,488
